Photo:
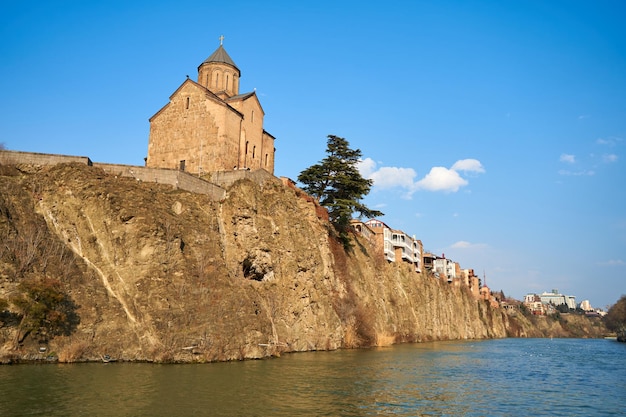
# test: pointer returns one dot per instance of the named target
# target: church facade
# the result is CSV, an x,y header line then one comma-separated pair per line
x,y
209,126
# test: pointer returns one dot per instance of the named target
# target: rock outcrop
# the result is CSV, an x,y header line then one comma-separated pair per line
x,y
160,274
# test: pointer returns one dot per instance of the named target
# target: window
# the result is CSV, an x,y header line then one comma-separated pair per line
x,y
252,118
187,103
253,151
266,159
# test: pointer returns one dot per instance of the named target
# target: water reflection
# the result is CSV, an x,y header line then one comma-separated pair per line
x,y
498,377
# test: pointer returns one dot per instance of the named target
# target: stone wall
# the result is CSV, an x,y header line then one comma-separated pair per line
x,y
177,179
16,157
227,178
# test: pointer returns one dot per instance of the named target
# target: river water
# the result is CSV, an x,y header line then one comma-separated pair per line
x,y
504,377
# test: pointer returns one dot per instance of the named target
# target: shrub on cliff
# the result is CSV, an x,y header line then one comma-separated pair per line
x,y
615,319
337,184
44,309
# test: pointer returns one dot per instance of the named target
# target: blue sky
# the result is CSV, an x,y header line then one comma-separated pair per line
x,y
495,131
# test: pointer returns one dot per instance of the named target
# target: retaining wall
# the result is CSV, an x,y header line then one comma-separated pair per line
x,y
227,178
17,157
175,178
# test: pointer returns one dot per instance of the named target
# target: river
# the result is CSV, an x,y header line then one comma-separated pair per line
x,y
502,377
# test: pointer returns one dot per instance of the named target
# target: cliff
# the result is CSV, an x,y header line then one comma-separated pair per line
x,y
153,273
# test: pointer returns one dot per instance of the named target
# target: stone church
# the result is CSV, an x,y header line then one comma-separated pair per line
x,y
208,126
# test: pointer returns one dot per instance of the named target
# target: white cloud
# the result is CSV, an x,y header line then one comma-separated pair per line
x,y
577,173
438,179
366,167
441,179
608,158
391,177
612,262
610,141
468,165
462,244
570,159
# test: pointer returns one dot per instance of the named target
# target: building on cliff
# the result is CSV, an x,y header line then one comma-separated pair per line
x,y
446,268
556,298
396,246
208,126
471,281
393,245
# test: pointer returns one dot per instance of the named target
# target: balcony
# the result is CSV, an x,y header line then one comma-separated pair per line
x,y
390,254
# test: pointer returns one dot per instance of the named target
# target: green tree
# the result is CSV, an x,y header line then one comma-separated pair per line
x,y
615,319
562,308
45,309
337,184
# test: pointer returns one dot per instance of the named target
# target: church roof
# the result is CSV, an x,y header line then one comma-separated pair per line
x,y
220,55
241,96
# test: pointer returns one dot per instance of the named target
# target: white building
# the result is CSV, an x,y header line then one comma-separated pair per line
x,y
556,298
446,268
396,245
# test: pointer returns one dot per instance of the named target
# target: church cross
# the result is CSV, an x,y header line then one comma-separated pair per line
x,y
221,39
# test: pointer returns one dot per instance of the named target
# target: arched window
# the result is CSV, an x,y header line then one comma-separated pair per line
x,y
253,150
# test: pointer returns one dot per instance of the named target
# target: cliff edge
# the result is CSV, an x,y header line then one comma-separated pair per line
x,y
153,273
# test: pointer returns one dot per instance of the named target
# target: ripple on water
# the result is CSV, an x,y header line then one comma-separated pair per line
x,y
539,377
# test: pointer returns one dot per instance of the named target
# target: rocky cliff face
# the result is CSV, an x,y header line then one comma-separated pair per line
x,y
159,274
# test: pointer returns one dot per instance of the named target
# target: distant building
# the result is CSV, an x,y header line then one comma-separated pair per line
x,y
471,281
534,305
557,299
429,259
445,268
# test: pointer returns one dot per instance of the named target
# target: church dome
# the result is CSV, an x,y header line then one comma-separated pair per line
x,y
220,56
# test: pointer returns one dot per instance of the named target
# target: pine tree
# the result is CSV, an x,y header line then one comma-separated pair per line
x,y
338,185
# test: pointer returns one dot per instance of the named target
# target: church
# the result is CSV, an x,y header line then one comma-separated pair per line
x,y
207,126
